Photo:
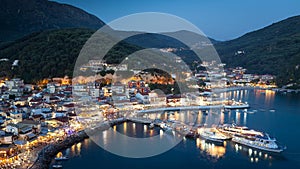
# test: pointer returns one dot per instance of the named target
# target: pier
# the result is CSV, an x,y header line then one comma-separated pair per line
x,y
180,108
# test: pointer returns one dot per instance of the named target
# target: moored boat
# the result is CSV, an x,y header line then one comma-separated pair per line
x,y
192,134
237,106
165,127
265,142
151,126
212,135
231,104
57,166
232,129
63,158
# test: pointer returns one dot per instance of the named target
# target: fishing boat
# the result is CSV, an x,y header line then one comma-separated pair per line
x,y
265,142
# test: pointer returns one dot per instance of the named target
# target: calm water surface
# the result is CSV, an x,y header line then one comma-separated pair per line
x,y
276,114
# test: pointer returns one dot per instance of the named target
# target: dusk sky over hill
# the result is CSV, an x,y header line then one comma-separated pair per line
x,y
222,19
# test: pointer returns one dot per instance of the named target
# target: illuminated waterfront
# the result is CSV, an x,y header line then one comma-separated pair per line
x,y
276,114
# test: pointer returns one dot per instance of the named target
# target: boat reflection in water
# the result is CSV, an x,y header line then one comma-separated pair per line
x,y
210,149
254,155
214,152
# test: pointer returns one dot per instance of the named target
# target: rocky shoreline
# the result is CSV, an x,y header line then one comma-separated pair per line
x,y
48,153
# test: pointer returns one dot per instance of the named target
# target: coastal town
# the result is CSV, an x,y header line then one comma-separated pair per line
x,y
36,115
149,84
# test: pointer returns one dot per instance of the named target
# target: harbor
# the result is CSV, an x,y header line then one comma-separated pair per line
x,y
197,149
189,124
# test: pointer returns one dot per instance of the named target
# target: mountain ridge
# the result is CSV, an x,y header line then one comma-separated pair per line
x,y
273,49
270,50
22,17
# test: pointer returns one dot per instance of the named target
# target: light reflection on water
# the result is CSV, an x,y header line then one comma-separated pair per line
x,y
74,150
227,155
211,149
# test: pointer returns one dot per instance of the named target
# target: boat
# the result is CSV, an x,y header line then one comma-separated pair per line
x,y
232,129
151,126
264,143
231,104
63,158
212,135
166,128
192,134
57,166
237,106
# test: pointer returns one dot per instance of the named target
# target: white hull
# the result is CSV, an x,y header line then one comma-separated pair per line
x,y
243,106
212,135
57,166
220,141
61,158
257,147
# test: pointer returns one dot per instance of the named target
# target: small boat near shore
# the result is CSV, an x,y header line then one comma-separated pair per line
x,y
166,128
63,158
151,126
57,166
237,106
192,134
232,104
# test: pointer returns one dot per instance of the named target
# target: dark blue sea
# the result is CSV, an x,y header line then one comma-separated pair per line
x,y
274,113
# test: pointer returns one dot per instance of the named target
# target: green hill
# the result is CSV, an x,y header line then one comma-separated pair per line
x,y
271,50
274,49
22,17
45,54
51,54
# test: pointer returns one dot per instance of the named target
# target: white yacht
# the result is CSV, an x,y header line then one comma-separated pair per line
x,y
231,104
265,142
211,134
232,129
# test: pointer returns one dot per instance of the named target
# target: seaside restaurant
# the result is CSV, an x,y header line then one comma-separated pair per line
x,y
7,151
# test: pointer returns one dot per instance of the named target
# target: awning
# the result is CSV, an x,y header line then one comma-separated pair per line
x,y
19,142
30,136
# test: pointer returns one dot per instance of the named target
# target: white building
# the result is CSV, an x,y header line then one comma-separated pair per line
x,y
157,99
80,90
118,88
16,117
144,98
6,138
94,93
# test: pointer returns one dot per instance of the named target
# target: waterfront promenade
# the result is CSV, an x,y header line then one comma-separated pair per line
x,y
46,155
179,108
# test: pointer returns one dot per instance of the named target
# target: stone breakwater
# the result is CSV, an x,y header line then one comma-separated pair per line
x,y
49,152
